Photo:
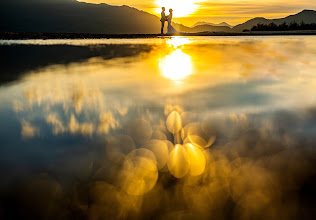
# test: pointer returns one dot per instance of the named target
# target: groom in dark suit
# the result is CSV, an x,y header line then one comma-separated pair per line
x,y
163,19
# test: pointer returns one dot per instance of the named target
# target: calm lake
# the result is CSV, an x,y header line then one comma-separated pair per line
x,y
165,128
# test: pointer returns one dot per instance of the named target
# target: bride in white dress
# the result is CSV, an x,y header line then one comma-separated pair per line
x,y
171,29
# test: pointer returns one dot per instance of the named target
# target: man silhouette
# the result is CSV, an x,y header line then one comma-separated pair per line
x,y
163,19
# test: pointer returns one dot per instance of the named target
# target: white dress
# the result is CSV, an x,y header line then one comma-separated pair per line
x,y
171,29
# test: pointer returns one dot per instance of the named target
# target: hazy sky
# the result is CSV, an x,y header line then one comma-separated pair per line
x,y
232,11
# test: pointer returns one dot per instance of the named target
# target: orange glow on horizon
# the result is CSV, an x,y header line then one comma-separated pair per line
x,y
234,12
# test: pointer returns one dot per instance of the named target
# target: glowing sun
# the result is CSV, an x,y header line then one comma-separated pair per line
x,y
180,8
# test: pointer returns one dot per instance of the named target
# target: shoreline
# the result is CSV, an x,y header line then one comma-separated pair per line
x,y
24,36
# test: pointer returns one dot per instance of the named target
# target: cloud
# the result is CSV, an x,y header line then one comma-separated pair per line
x,y
28,130
58,127
73,127
18,106
78,98
106,122
76,128
33,95
122,110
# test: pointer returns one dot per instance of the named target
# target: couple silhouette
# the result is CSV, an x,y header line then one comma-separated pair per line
x,y
164,18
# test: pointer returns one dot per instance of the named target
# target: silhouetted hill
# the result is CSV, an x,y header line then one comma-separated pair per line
x,y
211,24
70,16
307,16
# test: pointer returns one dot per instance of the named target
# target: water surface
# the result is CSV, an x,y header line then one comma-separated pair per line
x,y
158,128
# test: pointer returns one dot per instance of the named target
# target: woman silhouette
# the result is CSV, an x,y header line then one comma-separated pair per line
x,y
171,29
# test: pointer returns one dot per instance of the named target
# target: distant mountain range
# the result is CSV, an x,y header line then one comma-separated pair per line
x,y
307,16
223,24
201,28
70,16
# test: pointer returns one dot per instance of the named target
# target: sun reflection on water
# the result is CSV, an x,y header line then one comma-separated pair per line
x,y
178,41
176,66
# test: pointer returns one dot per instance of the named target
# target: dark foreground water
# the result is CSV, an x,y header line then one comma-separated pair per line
x,y
174,128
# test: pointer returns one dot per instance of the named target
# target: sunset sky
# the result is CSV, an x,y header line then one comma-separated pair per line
x,y
233,12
